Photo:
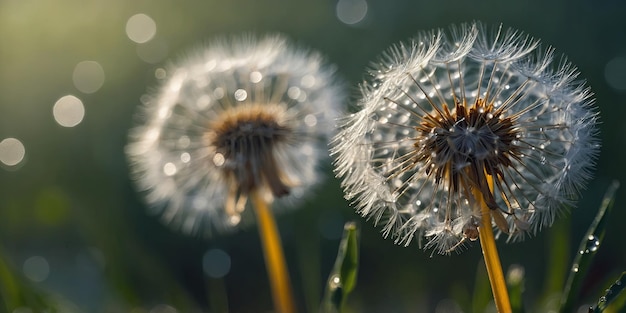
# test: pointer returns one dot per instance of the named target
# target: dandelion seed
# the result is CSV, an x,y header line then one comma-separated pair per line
x,y
242,115
472,113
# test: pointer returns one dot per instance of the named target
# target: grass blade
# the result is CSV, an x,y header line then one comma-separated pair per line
x,y
515,283
342,279
587,250
482,289
611,294
17,293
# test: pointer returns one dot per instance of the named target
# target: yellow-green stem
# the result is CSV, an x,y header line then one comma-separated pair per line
x,y
490,254
274,257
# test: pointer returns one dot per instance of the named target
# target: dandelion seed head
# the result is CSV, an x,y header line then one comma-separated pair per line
x,y
449,113
241,115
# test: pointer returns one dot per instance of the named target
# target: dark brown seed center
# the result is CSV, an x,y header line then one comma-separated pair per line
x,y
246,137
463,146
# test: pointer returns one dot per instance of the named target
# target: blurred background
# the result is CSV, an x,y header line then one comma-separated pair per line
x,y
74,232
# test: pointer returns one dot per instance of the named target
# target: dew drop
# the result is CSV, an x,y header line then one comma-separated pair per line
x,y
302,97
593,243
218,93
403,119
397,183
335,282
575,268
218,159
310,120
160,73
240,95
210,65
169,169
183,142
308,81
293,92
203,102
234,219
256,77
185,157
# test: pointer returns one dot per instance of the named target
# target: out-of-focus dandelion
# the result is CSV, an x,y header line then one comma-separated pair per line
x,y
241,115
242,119
460,130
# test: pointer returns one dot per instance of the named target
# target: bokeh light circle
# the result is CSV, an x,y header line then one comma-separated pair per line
x,y
88,76
68,111
153,51
12,151
615,73
351,11
216,263
140,28
36,268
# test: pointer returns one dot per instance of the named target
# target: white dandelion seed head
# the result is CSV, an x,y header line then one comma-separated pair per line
x,y
445,113
241,114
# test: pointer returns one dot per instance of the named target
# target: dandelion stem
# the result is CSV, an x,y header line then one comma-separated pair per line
x,y
490,254
274,257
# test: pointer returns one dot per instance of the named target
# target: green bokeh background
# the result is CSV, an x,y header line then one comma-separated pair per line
x,y
71,201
